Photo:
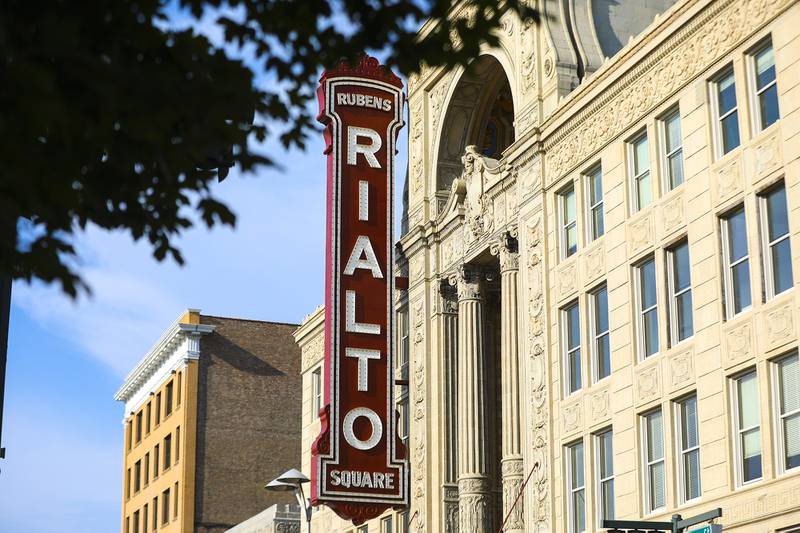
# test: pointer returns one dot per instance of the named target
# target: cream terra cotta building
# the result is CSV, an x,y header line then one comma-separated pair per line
x,y
601,241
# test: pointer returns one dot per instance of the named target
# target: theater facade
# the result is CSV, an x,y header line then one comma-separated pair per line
x,y
601,240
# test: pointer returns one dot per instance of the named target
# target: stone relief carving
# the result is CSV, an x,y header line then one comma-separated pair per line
x,y
766,155
477,172
528,56
767,503
539,419
594,261
417,148
673,215
679,59
418,447
567,280
640,234
528,178
313,352
779,326
681,366
436,99
512,485
571,417
598,406
739,342
648,383
728,180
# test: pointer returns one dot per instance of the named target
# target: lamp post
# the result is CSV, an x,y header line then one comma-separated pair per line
x,y
292,481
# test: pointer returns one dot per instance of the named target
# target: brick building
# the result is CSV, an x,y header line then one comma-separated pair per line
x,y
212,414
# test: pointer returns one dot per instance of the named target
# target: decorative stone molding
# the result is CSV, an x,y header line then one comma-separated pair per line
x,y
594,262
674,62
769,502
673,215
436,100
416,145
418,396
738,342
450,500
567,276
571,417
648,383
468,282
778,326
474,504
681,369
537,363
728,180
766,156
506,249
640,234
528,177
598,406
313,352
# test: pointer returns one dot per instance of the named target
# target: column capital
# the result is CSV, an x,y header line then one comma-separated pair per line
x,y
468,281
448,298
507,249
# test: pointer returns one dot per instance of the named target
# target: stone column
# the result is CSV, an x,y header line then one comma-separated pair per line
x,y
474,487
512,469
449,351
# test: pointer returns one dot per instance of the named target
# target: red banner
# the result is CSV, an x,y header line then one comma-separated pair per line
x,y
358,465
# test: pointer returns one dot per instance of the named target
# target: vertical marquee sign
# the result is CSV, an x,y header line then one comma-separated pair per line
x,y
358,465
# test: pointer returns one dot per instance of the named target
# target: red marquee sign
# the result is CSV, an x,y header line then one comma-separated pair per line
x,y
358,465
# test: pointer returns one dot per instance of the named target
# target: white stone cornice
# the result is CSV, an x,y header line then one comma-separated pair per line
x,y
177,345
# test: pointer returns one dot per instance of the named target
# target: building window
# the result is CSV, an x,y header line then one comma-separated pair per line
x,y
689,449
604,459
167,451
402,522
175,499
747,424
571,341
179,387
138,427
155,513
654,479
403,342
127,524
144,519
158,408
671,149
148,410
128,484
576,505
764,86
601,349
726,111
402,408
155,462
165,507
146,469
679,288
130,434
787,402
137,476
386,525
363,529
567,214
594,192
639,161
777,250
177,444
316,386
168,399
647,306
736,263
136,522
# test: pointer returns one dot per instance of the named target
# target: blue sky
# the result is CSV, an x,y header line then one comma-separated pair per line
x,y
62,429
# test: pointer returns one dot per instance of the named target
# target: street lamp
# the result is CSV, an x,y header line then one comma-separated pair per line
x,y
292,481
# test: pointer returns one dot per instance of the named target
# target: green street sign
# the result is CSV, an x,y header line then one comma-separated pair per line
x,y
711,528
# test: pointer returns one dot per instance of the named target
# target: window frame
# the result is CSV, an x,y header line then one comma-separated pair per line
x,y
765,244
566,351
728,266
682,453
595,336
640,312
386,521
564,224
587,177
673,294
713,87
316,392
752,85
633,185
599,480
738,452
647,463
571,491
778,417
665,156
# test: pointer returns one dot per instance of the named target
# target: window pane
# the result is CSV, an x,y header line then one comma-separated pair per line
x,y
684,308
574,327
676,169
737,235
782,266
765,67
650,332
726,90
691,475
576,458
606,453
680,266
730,132
574,371
689,423
608,499
777,219
596,186
656,486
603,357
572,239
748,401
569,205
579,510
643,190
791,439
751,451
741,286
641,156
601,310
672,127
647,272
655,438
789,376
598,225
768,106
